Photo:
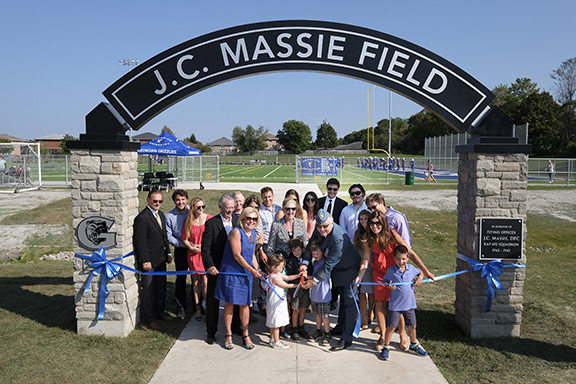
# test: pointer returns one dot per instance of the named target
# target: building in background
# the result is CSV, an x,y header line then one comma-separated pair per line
x,y
222,145
51,143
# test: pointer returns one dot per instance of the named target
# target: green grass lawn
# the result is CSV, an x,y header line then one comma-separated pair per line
x,y
39,344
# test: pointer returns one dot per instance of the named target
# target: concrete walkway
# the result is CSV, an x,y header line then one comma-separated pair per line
x,y
192,359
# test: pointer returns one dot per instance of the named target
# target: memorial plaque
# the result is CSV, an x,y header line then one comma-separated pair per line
x,y
500,238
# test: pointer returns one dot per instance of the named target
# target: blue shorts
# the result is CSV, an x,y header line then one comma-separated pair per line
x,y
394,318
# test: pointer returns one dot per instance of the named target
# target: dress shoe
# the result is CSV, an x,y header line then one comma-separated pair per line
x,y
165,318
210,339
336,331
341,345
154,325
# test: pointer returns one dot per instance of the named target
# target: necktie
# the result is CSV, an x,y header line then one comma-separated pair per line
x,y
329,206
158,219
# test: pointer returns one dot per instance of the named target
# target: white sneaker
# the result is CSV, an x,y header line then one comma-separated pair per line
x,y
278,345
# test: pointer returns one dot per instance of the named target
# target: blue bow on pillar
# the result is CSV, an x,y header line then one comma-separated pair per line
x,y
108,269
490,271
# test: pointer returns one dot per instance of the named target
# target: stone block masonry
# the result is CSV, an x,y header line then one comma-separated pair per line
x,y
490,185
105,184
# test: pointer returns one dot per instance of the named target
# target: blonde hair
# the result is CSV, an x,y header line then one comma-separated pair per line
x,y
245,213
192,214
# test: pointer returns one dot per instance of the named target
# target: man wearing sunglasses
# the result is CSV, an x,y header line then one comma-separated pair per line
x,y
342,265
332,203
395,219
152,252
349,216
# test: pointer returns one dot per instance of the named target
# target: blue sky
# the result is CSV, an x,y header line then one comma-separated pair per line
x,y
58,56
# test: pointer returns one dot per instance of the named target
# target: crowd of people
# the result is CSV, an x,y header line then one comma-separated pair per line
x,y
382,164
282,261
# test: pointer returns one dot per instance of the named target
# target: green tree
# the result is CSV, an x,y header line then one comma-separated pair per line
x,y
166,129
541,113
191,139
567,118
565,81
67,137
355,136
326,136
6,149
510,98
249,139
295,136
420,126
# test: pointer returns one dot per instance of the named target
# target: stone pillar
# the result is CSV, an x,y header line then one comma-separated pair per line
x,y
105,184
490,185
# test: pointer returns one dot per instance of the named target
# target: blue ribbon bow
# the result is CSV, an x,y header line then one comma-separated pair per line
x,y
109,269
490,271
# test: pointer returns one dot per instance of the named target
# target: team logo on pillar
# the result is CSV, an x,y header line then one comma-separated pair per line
x,y
94,233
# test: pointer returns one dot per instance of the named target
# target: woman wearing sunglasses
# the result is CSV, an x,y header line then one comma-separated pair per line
x,y
238,267
285,229
192,238
311,207
382,240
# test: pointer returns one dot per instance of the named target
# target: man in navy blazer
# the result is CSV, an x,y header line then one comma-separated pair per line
x,y
342,264
152,252
214,239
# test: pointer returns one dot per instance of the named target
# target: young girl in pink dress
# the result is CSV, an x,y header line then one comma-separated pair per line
x,y
192,238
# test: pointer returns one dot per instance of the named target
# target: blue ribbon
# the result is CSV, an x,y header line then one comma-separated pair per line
x,y
109,269
490,271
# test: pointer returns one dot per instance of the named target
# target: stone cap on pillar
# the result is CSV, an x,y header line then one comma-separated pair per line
x,y
493,134
105,129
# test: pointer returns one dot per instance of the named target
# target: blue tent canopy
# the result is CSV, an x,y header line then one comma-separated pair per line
x,y
167,145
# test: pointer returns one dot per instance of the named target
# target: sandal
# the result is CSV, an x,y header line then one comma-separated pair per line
x,y
246,344
380,344
228,346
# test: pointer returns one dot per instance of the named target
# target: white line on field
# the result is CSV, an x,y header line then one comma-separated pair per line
x,y
357,175
272,172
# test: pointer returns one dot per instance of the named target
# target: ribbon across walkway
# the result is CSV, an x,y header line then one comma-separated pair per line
x,y
111,268
490,271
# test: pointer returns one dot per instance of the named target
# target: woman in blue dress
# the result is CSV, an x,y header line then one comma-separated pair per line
x,y
239,263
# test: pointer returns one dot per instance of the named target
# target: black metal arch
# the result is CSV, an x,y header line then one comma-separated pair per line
x,y
290,45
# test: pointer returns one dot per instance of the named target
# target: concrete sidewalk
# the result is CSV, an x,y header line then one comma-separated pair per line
x,y
192,359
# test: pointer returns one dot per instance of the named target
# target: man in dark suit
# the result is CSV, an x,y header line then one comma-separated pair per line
x,y
342,264
334,206
332,203
152,252
214,239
